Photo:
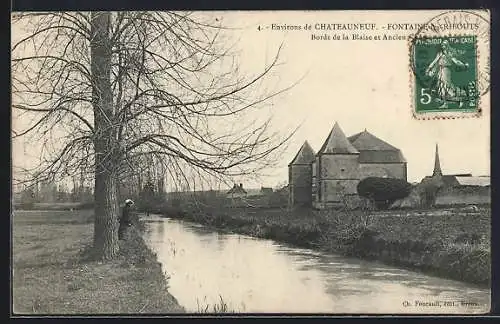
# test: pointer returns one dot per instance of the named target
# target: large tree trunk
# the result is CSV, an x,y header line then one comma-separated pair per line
x,y
106,216
105,143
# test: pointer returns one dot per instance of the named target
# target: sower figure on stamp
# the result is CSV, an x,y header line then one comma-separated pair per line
x,y
125,219
440,70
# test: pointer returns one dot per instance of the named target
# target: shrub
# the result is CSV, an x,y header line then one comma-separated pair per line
x,y
429,190
383,191
278,199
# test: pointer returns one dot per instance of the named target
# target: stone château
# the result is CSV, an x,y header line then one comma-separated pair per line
x,y
330,177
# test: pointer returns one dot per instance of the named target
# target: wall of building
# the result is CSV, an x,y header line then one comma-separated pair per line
x,y
463,195
314,180
391,170
338,177
347,202
335,190
339,166
300,184
332,177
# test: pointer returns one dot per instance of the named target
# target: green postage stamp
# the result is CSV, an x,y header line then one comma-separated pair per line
x,y
450,70
446,76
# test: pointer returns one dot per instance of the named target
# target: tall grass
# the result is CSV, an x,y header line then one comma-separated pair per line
x,y
219,307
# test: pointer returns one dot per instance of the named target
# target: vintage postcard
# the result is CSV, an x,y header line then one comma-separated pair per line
x,y
333,162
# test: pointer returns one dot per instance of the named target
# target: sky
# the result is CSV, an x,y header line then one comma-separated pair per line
x,y
360,84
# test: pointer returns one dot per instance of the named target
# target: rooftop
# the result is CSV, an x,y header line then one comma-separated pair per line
x,y
463,180
474,181
337,143
304,156
374,150
237,189
370,156
367,141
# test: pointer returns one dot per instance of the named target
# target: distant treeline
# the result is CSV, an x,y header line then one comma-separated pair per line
x,y
53,206
53,193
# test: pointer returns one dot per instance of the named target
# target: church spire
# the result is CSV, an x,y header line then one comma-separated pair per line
x,y
437,165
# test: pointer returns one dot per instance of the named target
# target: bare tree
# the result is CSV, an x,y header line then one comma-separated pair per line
x,y
111,92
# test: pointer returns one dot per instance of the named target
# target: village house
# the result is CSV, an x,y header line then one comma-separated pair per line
x,y
459,189
330,177
450,189
237,191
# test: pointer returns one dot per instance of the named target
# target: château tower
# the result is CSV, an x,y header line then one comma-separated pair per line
x,y
300,176
336,168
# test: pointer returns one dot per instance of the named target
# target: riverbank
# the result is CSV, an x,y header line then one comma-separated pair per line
x,y
52,274
450,243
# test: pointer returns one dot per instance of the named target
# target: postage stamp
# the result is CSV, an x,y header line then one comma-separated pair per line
x,y
450,66
447,74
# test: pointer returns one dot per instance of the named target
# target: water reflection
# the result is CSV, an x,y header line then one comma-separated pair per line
x,y
254,275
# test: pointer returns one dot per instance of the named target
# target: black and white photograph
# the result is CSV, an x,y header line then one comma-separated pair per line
x,y
250,162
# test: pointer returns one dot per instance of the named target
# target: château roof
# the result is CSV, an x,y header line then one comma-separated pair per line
x,y
370,148
305,155
367,141
337,143
374,150
381,157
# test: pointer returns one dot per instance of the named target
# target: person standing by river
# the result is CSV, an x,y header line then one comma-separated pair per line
x,y
125,219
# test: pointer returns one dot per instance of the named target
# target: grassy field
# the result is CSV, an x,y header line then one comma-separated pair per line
x,y
450,243
447,226
453,243
51,275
